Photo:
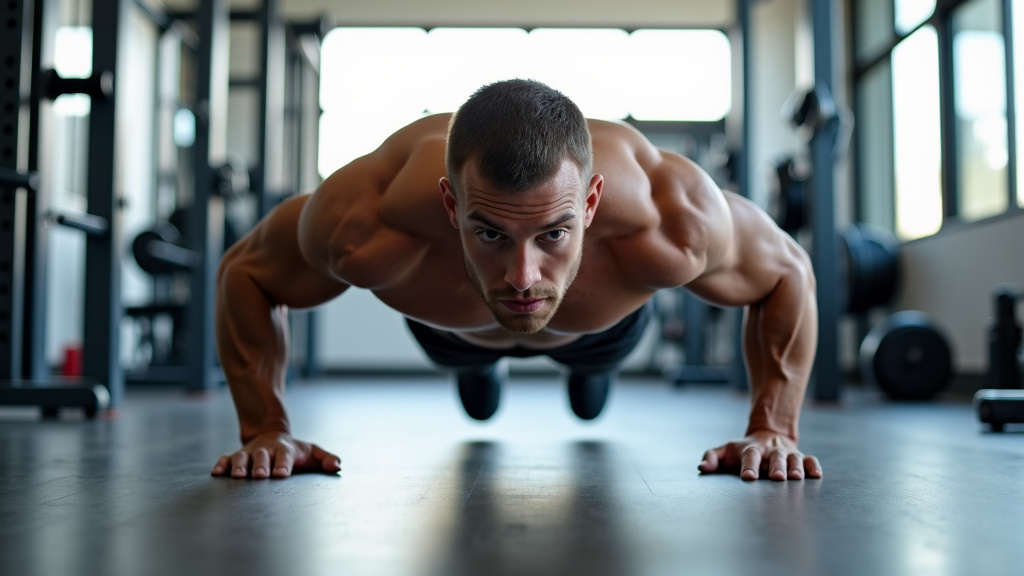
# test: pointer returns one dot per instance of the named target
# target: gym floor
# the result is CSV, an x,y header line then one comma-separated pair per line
x,y
909,489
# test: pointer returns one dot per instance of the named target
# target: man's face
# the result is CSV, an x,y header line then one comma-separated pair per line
x,y
523,249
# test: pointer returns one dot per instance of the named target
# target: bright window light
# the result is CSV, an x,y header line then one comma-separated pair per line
x,y
680,75
916,134
980,88
910,13
464,59
72,58
376,80
371,83
586,65
1018,72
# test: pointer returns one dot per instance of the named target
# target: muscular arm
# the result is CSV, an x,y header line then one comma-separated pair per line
x,y
259,278
307,251
743,259
765,270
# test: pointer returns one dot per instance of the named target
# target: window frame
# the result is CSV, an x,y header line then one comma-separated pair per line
x,y
942,21
699,129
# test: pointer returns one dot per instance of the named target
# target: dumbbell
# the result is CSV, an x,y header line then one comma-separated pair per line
x,y
998,408
158,251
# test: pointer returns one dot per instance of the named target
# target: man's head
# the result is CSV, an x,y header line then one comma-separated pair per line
x,y
517,132
520,191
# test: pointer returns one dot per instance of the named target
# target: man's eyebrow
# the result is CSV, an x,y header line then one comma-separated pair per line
x,y
483,220
570,215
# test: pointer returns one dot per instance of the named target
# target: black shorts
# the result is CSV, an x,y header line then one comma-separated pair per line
x,y
590,354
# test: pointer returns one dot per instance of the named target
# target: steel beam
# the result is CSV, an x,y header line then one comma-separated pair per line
x,y
827,377
204,223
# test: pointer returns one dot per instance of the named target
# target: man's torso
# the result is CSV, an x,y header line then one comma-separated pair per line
x,y
401,245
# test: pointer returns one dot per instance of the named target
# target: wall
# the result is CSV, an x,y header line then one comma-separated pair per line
x,y
950,277
774,77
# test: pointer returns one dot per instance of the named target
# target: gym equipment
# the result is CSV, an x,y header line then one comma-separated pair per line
x,y
49,394
997,408
25,379
696,327
97,86
906,356
1004,340
159,251
871,266
787,204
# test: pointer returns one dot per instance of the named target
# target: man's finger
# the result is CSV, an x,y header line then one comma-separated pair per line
x,y
813,467
328,462
261,463
710,462
240,464
221,467
777,465
750,466
796,467
283,463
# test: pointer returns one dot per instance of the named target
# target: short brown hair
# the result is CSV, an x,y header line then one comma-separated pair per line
x,y
518,132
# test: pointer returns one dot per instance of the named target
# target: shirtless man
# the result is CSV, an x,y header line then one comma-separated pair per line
x,y
472,227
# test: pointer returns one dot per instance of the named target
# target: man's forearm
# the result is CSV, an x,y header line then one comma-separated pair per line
x,y
780,337
252,343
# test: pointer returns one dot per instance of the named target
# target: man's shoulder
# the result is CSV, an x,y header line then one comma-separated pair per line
x,y
428,129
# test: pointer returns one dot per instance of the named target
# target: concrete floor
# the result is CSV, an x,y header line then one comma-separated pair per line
x,y
909,489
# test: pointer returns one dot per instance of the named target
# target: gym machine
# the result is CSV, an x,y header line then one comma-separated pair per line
x,y
1003,402
237,193
197,242
23,222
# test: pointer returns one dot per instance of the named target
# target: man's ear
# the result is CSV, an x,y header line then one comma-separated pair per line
x,y
593,198
450,203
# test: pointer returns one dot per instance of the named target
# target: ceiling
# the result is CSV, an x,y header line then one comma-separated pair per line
x,y
520,13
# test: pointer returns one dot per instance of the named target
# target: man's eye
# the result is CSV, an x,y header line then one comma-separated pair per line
x,y
489,235
555,235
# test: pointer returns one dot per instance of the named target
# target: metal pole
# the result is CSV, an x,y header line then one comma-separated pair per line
x,y
1011,100
744,9
827,377
271,108
34,364
103,309
948,120
15,48
204,223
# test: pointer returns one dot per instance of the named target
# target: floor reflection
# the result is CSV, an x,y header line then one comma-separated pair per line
x,y
507,513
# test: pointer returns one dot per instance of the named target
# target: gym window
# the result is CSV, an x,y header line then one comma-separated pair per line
x,y
376,80
72,58
939,99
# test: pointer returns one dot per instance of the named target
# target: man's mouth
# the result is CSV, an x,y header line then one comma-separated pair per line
x,y
523,305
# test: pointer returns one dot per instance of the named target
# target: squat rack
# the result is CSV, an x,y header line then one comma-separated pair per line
x,y
24,378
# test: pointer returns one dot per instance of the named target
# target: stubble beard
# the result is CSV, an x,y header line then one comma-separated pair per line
x,y
522,323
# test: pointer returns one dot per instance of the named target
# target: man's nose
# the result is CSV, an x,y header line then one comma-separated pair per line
x,y
524,269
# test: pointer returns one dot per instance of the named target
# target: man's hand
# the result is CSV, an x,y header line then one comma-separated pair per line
x,y
774,453
276,454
